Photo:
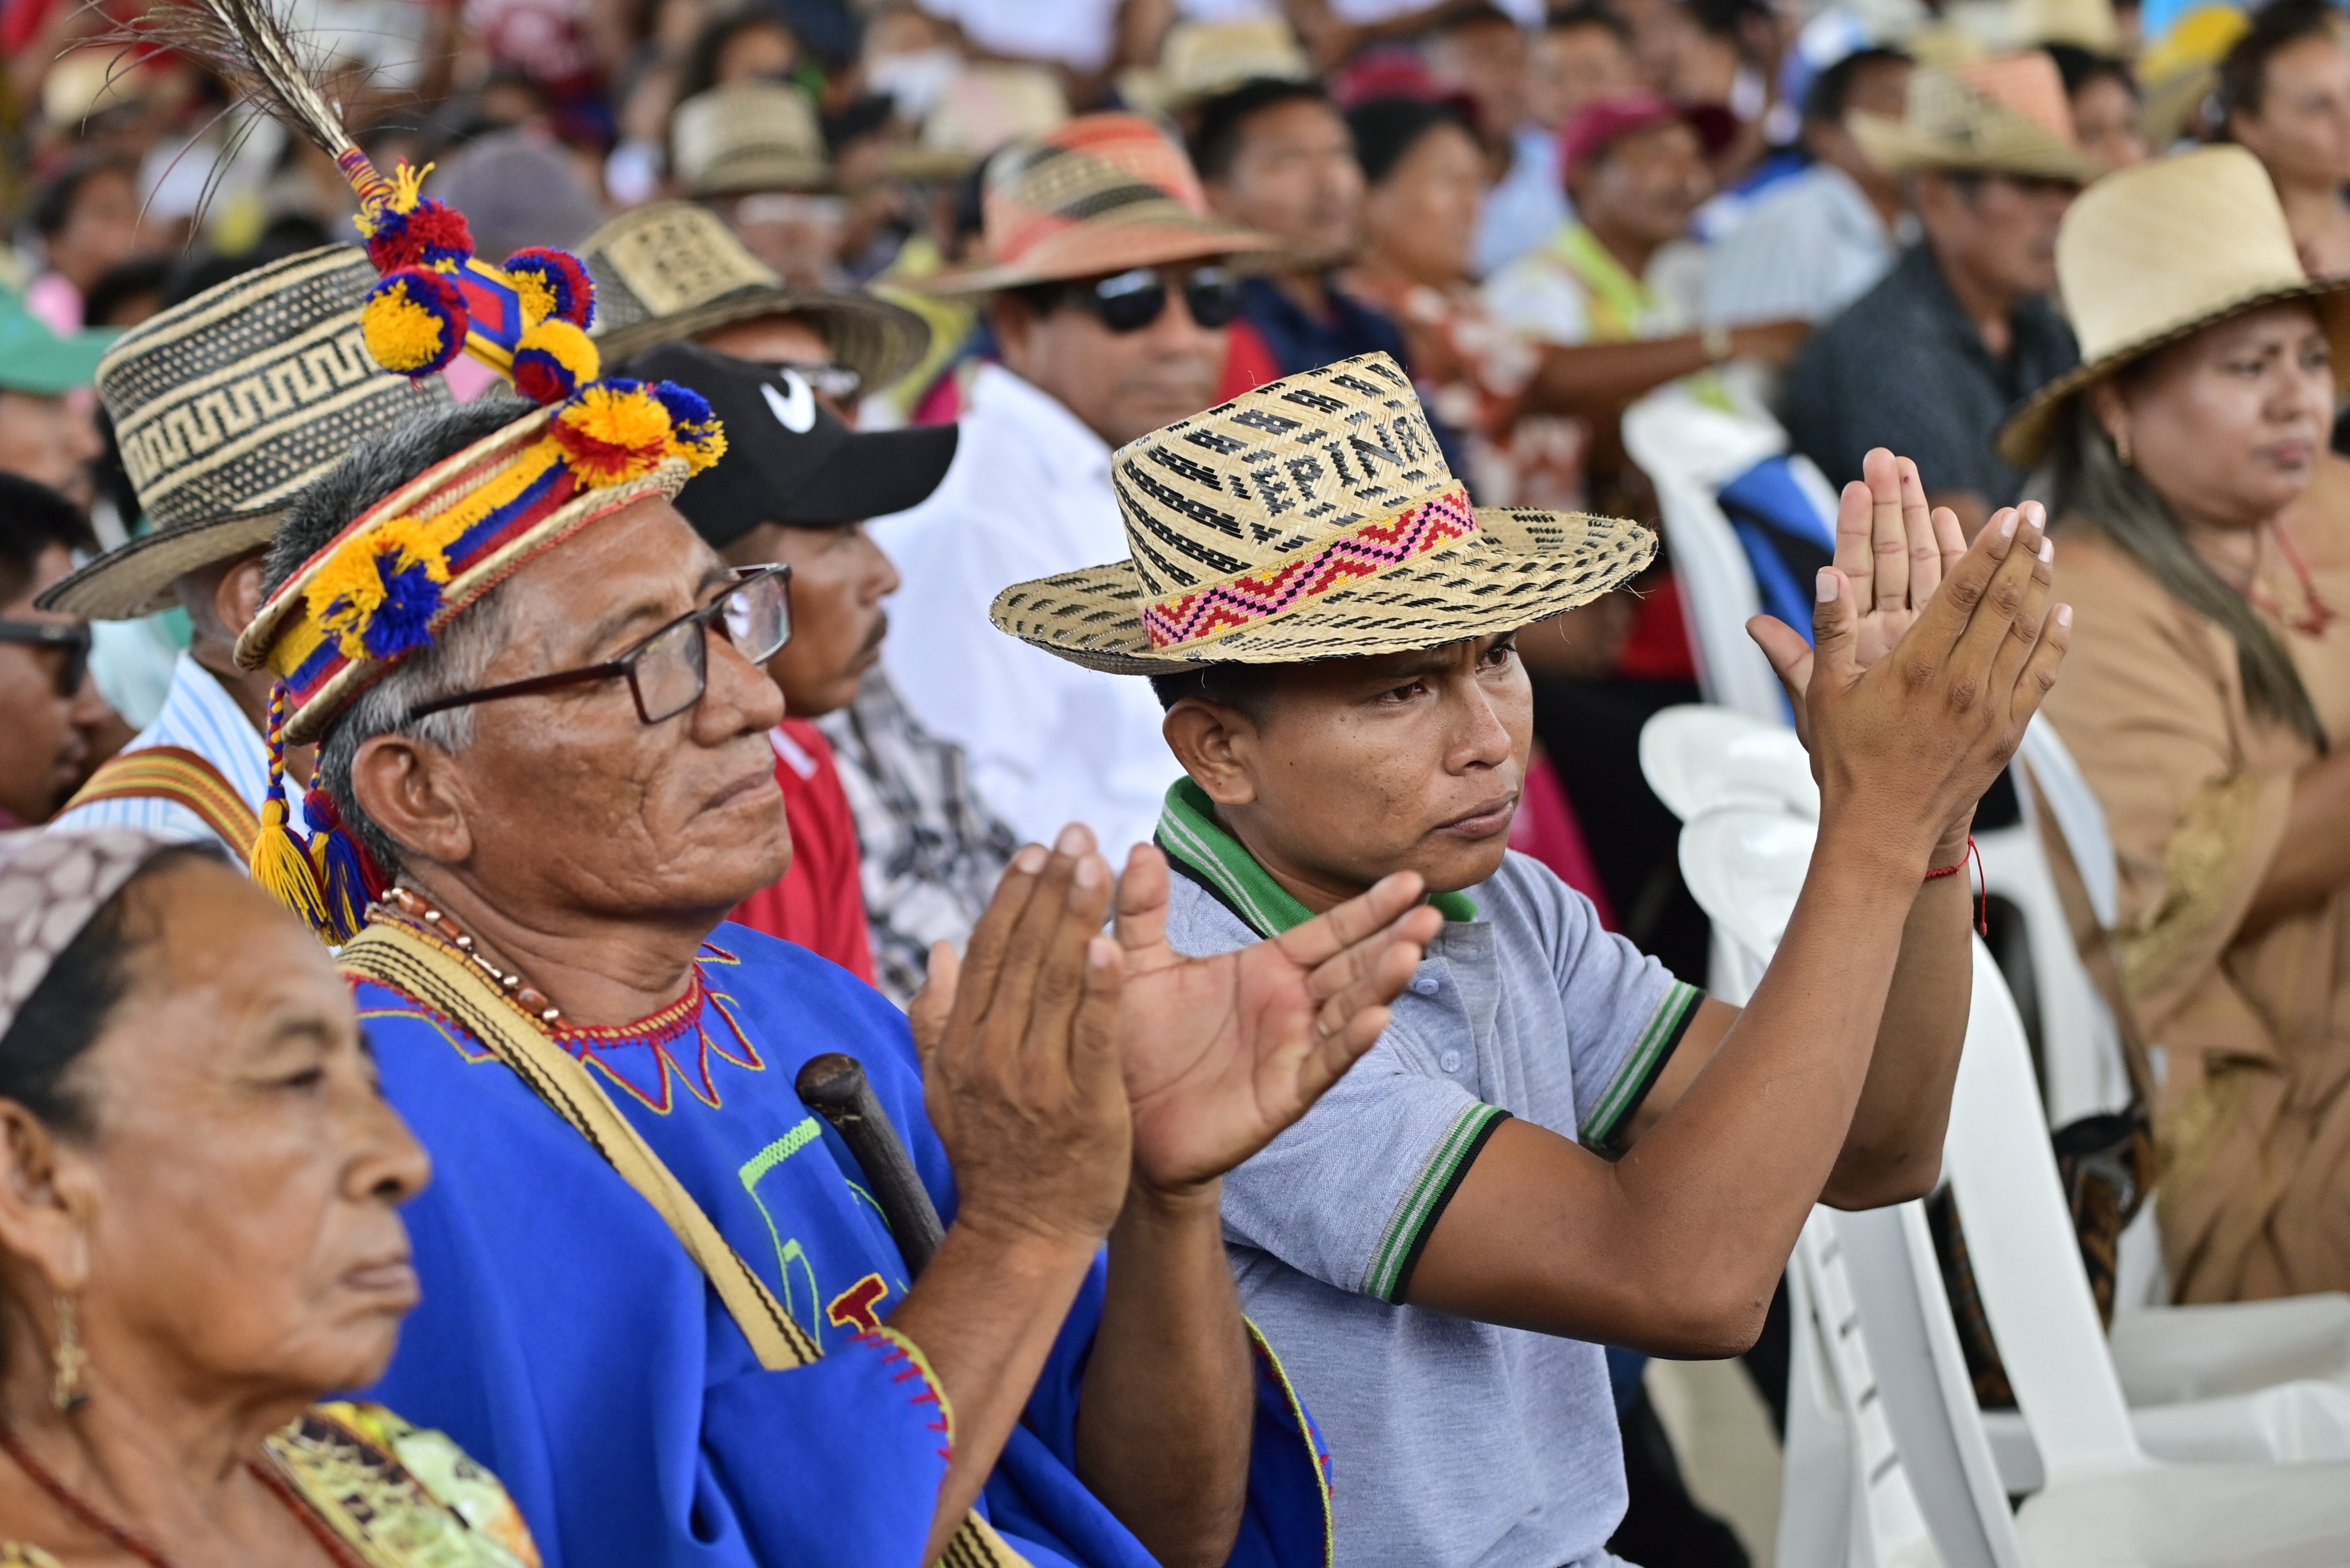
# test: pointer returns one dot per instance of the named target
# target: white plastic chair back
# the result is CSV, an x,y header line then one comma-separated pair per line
x,y
2076,814
1744,864
1698,757
1690,450
1815,1472
1883,1526
2027,1258
1923,1384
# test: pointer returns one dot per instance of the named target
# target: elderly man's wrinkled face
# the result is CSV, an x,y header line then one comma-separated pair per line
x,y
1344,769
1121,384
238,1194
570,804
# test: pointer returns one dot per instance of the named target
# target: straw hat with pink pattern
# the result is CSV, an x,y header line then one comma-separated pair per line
x,y
1312,518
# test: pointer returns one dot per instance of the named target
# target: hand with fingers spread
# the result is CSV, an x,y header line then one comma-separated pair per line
x,y
1222,1053
1019,1043
1916,733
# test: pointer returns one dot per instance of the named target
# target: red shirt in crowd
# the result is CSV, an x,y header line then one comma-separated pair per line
x,y
820,902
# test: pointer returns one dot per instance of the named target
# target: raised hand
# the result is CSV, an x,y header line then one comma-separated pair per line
x,y
1019,1051
1222,1053
1911,742
1894,552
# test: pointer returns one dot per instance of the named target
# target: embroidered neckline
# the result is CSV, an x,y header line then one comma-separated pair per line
x,y
659,1027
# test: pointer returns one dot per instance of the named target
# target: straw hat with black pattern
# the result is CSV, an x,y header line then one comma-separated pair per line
x,y
2007,115
1100,194
748,136
669,272
224,406
1312,518
2157,253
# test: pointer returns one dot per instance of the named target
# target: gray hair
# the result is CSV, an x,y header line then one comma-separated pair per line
x,y
461,654
2089,482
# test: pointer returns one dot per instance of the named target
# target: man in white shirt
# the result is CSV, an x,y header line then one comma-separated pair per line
x,y
1111,303
223,405
1819,240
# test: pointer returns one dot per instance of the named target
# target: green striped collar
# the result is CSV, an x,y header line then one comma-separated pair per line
x,y
1189,832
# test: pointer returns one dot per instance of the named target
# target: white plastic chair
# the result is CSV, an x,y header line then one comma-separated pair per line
x,y
1698,757
1745,867
1690,449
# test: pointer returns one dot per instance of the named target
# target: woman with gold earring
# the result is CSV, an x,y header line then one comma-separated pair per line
x,y
200,1237
2204,534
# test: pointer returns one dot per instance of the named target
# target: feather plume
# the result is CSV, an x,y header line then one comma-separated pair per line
x,y
255,44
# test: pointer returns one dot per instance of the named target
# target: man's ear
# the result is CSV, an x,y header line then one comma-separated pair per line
x,y
47,1201
413,792
1215,744
238,598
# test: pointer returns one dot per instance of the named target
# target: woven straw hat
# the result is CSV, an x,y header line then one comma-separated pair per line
x,y
1100,194
224,406
668,272
749,135
2153,254
2002,116
1312,518
1200,59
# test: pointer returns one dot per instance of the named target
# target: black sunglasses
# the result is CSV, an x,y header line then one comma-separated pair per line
x,y
73,642
1131,300
667,672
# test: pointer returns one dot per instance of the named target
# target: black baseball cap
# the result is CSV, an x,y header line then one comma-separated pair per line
x,y
788,458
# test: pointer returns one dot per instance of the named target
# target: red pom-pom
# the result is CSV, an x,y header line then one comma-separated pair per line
x,y
567,278
435,234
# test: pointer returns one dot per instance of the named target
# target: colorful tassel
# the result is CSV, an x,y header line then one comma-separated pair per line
x,y
554,285
414,322
553,360
347,873
280,862
696,433
408,228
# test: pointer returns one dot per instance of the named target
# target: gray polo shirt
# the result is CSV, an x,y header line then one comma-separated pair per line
x,y
1454,1444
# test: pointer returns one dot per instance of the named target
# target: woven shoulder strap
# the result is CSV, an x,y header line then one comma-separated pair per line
x,y
417,967
183,777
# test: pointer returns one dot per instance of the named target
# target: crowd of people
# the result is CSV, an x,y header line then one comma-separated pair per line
x,y
575,578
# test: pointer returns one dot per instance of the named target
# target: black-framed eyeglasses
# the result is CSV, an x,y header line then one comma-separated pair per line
x,y
1131,300
839,382
70,641
667,672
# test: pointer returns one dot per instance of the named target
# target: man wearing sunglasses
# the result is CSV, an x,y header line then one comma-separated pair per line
x,y
1112,288
49,706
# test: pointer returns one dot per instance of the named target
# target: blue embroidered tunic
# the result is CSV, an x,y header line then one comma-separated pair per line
x,y
568,1342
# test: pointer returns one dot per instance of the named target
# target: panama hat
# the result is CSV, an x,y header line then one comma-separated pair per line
x,y
2150,254
748,136
1100,194
2007,115
224,407
666,273
1312,518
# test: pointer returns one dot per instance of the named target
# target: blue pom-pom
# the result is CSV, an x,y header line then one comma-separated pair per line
x,y
685,406
403,622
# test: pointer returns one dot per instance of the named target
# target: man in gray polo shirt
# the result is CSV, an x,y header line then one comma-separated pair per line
x,y
1554,1145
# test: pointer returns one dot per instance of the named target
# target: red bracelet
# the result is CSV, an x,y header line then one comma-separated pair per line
x,y
1983,916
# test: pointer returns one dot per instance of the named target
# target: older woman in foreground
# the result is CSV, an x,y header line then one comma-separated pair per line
x,y
200,1236
2206,535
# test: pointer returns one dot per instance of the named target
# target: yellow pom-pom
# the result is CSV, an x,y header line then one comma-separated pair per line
x,y
611,435
348,590
566,346
404,335
538,299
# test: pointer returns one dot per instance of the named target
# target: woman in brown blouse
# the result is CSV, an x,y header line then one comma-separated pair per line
x,y
2204,543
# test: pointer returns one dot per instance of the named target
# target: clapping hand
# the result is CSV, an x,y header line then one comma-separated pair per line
x,y
1926,668
1222,1053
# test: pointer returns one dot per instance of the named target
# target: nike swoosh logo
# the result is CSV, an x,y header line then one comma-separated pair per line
x,y
795,413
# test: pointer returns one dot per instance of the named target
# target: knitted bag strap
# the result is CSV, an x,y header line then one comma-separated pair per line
x,y
417,967
183,777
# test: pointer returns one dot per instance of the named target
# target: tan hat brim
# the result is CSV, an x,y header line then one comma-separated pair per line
x,y
136,578
2026,437
878,340
750,176
1517,568
1093,249
1893,147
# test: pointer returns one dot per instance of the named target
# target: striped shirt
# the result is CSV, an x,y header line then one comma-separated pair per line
x,y
200,716
1459,1444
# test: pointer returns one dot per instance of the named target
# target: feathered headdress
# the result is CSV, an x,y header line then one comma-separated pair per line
x,y
384,586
